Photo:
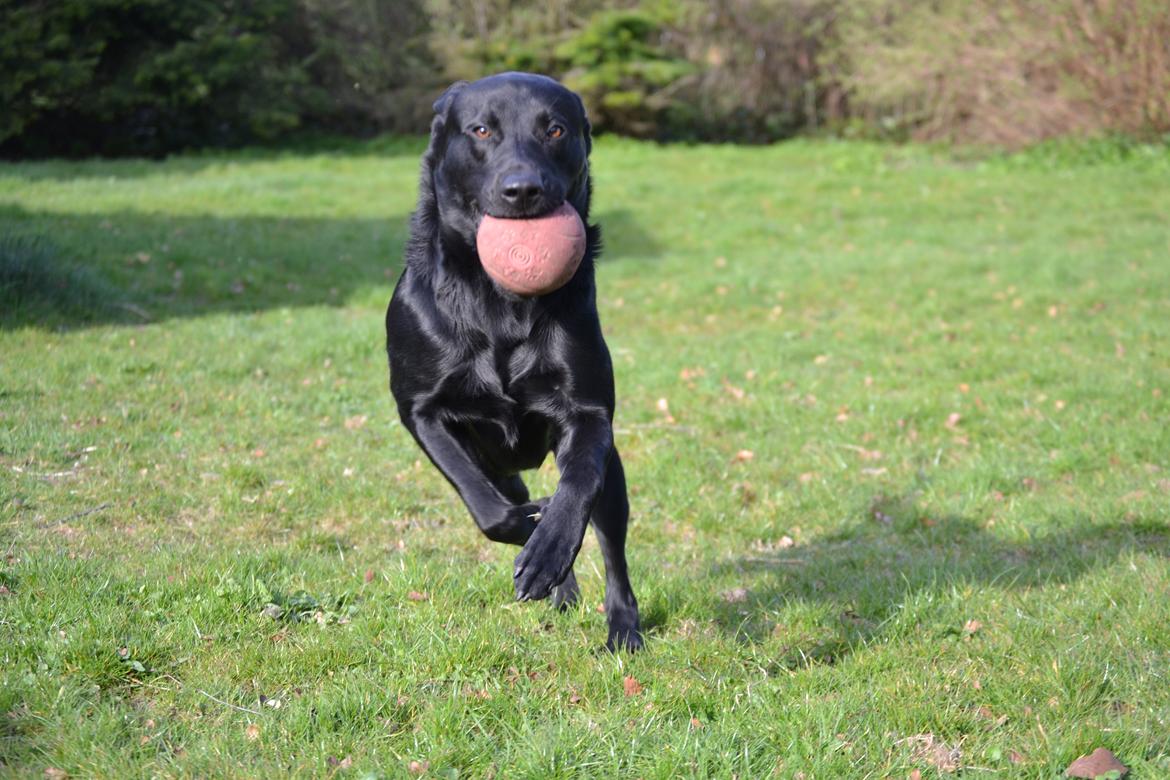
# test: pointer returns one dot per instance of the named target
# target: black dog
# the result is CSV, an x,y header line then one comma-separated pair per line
x,y
489,382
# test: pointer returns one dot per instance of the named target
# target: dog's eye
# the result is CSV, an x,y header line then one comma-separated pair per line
x,y
555,131
479,131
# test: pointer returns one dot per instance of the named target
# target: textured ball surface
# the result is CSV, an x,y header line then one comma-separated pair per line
x,y
532,256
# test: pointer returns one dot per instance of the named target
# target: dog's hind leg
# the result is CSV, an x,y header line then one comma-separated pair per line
x,y
566,594
611,515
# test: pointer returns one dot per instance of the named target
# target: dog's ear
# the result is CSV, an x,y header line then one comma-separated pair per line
x,y
442,105
586,128
444,101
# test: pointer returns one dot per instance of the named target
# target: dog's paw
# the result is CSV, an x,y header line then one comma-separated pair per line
x,y
543,564
624,637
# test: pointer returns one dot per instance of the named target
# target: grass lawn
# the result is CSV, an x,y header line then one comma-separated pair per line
x,y
895,424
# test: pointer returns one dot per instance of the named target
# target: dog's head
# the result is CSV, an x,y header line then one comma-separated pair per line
x,y
513,145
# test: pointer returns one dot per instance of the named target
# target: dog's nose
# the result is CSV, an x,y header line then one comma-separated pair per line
x,y
521,189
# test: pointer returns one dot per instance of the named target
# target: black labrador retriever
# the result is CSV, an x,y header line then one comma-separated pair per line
x,y
489,382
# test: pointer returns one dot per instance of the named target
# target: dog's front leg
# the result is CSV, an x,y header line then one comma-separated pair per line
x,y
499,518
582,454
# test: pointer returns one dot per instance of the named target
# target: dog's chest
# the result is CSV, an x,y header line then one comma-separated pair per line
x,y
519,373
510,397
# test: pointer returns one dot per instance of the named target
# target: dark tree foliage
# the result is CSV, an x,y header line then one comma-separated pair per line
x,y
148,76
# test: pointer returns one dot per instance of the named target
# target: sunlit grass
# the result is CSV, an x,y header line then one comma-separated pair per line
x,y
894,425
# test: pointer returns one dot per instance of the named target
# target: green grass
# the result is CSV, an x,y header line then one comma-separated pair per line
x,y
949,546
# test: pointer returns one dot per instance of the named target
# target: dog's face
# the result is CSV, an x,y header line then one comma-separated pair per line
x,y
514,145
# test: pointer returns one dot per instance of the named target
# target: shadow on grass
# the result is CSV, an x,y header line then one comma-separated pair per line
x,y
136,268
623,236
76,270
195,162
872,571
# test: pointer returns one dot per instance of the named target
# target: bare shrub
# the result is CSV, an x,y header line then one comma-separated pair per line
x,y
1010,73
765,68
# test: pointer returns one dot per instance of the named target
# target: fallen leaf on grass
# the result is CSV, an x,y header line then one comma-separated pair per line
x,y
418,767
743,456
53,773
735,595
735,392
932,750
953,420
747,493
252,732
972,627
994,721
344,763
1099,762
415,595
631,686
357,422
369,576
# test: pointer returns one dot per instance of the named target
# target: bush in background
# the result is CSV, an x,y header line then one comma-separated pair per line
x,y
152,76
1009,73
370,64
764,70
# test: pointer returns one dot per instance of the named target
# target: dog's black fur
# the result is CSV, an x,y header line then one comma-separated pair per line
x,y
489,382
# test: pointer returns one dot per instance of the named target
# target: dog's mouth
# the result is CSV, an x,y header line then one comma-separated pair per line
x,y
529,212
